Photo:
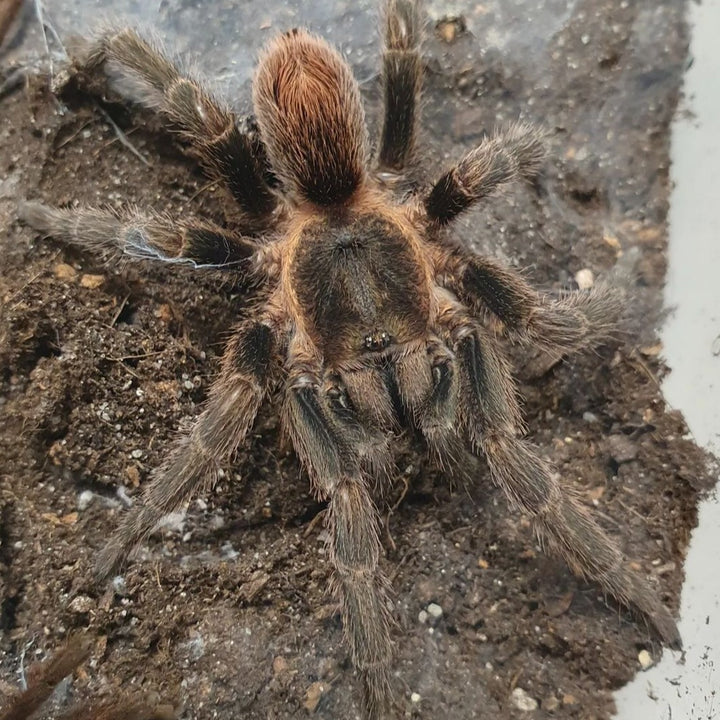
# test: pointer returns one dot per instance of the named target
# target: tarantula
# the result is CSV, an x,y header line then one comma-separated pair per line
x,y
371,311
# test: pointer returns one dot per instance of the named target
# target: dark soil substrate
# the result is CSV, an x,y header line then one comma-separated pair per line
x,y
225,613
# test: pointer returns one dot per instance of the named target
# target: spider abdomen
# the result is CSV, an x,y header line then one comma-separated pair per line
x,y
359,286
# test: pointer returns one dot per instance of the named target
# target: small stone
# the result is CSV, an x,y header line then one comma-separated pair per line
x,y
435,611
622,448
313,695
449,28
422,617
92,282
569,699
585,278
645,659
522,701
84,499
652,351
280,665
164,313
81,604
63,271
133,475
415,698
483,563
612,241
550,704
136,454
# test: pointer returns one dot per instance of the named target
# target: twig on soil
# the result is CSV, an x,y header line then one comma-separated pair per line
x,y
68,140
311,525
119,311
637,360
134,357
202,190
396,570
123,138
395,506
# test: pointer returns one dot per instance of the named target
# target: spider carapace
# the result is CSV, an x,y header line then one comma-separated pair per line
x,y
360,285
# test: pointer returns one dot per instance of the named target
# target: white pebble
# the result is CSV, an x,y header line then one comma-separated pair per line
x,y
84,499
415,698
522,701
585,278
645,659
81,604
434,610
422,616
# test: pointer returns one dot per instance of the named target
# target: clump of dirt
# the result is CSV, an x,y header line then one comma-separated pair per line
x,y
225,611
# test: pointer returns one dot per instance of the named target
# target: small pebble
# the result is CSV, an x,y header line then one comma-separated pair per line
x,y
415,698
585,278
81,604
313,695
92,282
449,28
622,448
550,703
434,610
422,616
64,271
645,659
522,701
84,499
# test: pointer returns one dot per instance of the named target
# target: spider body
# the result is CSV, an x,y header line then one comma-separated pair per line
x,y
372,312
360,287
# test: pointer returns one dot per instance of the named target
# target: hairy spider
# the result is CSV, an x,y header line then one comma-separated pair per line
x,y
371,311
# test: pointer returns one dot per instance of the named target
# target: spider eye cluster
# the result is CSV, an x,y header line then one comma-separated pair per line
x,y
377,341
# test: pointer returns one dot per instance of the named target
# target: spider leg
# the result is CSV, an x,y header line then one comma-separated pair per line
x,y
572,322
515,153
193,464
326,441
141,236
402,80
227,154
47,677
489,412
